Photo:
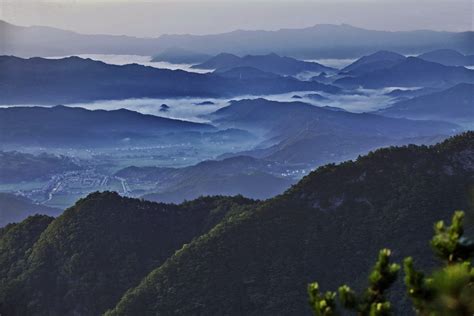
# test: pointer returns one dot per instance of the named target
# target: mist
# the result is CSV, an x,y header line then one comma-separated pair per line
x,y
191,109
135,59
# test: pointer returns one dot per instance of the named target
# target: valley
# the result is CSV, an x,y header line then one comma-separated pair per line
x,y
290,133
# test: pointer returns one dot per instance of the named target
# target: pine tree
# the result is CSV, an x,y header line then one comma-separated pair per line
x,y
447,291
372,302
322,304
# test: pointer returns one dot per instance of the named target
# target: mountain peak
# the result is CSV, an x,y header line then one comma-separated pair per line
x,y
378,60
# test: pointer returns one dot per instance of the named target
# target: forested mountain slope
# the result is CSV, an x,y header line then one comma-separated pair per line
x,y
85,260
329,227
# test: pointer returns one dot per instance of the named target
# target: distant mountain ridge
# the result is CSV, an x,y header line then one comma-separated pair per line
x,y
61,125
319,41
283,118
448,57
272,63
28,41
411,72
454,104
300,133
73,79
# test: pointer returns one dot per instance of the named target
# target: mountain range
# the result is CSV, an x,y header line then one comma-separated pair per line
x,y
61,125
233,256
455,104
410,72
73,79
319,41
284,118
274,121
448,57
272,63
300,133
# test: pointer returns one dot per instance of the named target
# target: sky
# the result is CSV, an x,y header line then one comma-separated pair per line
x,y
157,17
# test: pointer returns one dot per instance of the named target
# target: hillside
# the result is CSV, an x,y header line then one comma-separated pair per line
x,y
455,104
73,79
412,72
14,209
259,263
16,241
90,255
259,257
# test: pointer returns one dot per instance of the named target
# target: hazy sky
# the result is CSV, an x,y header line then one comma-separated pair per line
x,y
156,17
